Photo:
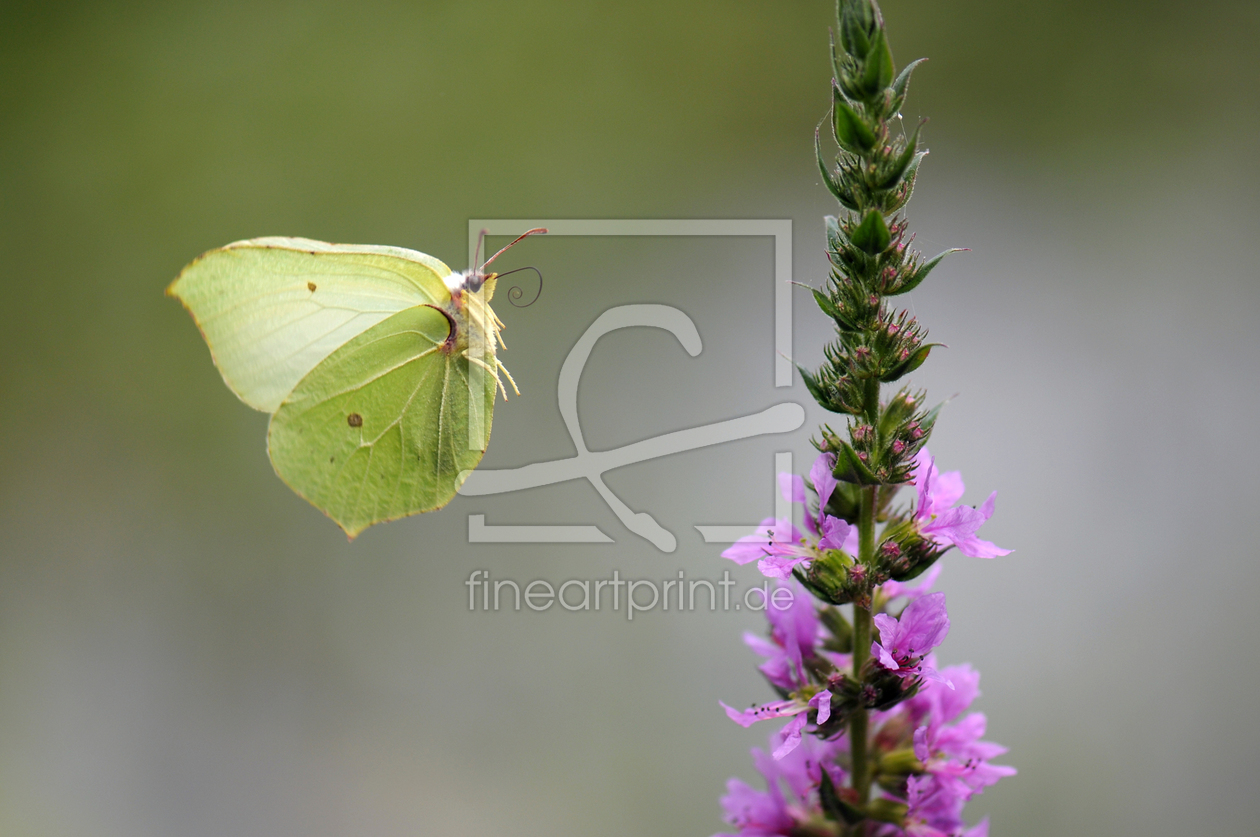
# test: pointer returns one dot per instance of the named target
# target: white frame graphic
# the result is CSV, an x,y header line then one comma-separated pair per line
x,y
781,418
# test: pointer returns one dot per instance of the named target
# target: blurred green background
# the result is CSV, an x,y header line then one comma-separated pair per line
x,y
187,648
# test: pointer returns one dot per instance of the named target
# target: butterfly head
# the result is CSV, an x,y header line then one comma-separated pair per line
x,y
461,283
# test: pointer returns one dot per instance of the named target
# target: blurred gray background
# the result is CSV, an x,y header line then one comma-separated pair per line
x,y
187,648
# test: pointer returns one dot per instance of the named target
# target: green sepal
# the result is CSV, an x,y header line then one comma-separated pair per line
x,y
846,500
827,306
902,164
837,68
929,419
871,236
902,83
900,762
900,196
919,275
841,640
834,185
915,570
851,131
885,810
850,467
910,364
897,411
853,35
828,577
878,72
834,807
816,390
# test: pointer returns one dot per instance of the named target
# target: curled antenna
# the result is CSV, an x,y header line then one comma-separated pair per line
x,y
526,234
515,293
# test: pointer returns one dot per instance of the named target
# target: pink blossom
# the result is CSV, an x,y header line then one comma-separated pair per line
x,y
777,546
944,522
905,641
897,589
793,636
797,709
791,794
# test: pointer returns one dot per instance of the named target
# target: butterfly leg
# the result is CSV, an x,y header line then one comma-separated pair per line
x,y
495,372
503,369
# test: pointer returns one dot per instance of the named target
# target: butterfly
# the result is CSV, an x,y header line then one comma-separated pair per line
x,y
378,365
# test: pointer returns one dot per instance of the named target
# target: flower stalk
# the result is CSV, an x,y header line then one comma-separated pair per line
x,y
877,745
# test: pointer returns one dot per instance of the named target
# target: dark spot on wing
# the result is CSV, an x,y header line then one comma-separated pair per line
x,y
310,286
332,459
354,420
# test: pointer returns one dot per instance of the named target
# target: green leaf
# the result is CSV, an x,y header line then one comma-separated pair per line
x,y
851,131
837,67
878,71
919,275
910,364
853,29
825,303
815,388
902,83
834,185
871,236
835,238
929,419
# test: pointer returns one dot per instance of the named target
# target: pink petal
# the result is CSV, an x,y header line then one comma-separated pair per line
x,y
822,702
821,478
792,486
790,736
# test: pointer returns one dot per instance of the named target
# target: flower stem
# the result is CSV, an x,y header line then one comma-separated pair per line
x,y
862,649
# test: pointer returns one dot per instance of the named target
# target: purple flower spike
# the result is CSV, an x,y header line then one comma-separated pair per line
x,y
753,714
790,736
776,546
838,534
770,534
906,641
781,562
754,812
824,483
942,521
792,487
896,589
791,795
793,636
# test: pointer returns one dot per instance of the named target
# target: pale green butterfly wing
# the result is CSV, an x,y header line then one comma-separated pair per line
x,y
271,309
361,353
380,429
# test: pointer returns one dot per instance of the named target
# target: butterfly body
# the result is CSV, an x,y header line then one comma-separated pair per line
x,y
378,366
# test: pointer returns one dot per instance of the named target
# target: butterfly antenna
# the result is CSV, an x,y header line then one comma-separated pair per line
x,y
481,237
526,234
515,292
